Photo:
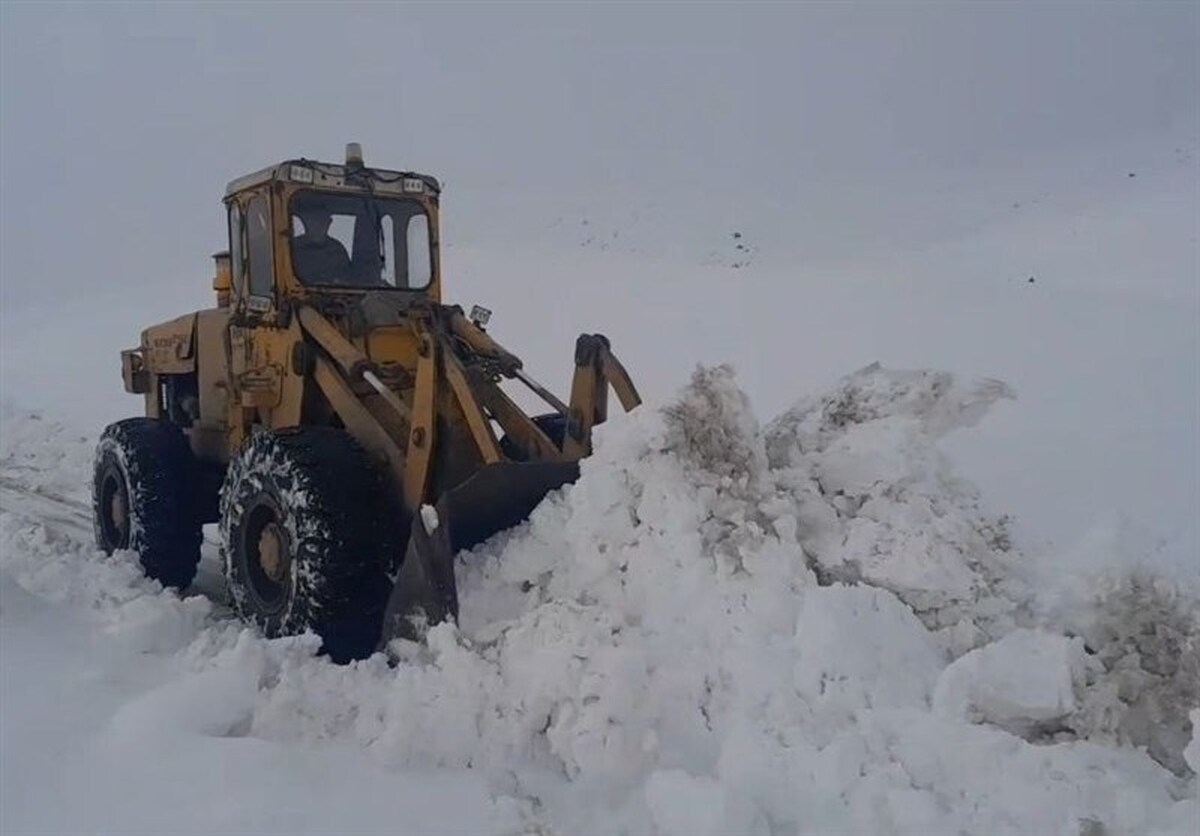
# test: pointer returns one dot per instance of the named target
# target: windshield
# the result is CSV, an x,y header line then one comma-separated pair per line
x,y
362,241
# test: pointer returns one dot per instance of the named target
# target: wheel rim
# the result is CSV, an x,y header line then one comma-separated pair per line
x,y
267,550
114,511
270,552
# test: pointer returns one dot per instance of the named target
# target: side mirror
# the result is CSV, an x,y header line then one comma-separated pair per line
x,y
223,278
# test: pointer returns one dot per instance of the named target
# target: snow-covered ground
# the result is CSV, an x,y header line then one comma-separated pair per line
x,y
811,626
926,560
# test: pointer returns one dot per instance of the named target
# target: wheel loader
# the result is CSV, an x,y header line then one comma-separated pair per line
x,y
349,432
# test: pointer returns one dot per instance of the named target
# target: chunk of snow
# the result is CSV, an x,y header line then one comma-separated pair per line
x,y
1024,679
429,518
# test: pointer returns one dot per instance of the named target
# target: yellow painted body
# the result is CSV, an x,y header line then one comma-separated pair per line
x,y
413,381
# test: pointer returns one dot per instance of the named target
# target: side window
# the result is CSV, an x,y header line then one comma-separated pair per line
x,y
258,245
237,263
420,262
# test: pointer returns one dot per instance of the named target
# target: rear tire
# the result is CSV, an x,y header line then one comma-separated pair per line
x,y
143,490
307,528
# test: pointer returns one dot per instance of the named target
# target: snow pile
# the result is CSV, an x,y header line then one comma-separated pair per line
x,y
677,626
723,628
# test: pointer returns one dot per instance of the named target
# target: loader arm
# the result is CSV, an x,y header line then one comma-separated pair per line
x,y
456,392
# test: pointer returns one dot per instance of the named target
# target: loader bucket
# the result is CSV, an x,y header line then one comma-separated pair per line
x,y
495,497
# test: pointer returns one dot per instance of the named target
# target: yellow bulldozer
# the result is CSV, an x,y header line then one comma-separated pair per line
x,y
348,431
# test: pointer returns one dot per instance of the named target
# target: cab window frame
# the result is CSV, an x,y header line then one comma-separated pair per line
x,y
237,256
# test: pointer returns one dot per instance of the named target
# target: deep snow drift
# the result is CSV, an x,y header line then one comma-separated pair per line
x,y
812,626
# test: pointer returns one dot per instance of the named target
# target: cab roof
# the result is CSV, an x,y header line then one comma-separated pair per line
x,y
338,176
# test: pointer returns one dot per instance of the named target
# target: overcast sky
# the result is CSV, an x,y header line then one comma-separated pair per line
x,y
120,125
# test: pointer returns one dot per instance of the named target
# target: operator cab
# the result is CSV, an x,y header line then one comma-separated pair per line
x,y
303,227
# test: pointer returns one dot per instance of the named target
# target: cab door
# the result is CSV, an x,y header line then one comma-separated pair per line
x,y
253,386
264,387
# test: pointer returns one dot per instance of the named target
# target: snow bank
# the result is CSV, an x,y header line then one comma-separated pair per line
x,y
719,628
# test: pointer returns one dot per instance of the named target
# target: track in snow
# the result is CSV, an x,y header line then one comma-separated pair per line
x,y
67,520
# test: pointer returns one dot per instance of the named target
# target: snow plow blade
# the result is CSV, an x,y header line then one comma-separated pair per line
x,y
496,497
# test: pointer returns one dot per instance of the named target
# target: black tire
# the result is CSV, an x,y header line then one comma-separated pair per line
x,y
143,498
308,530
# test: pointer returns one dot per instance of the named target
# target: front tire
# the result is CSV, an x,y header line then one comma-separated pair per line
x,y
306,527
143,488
